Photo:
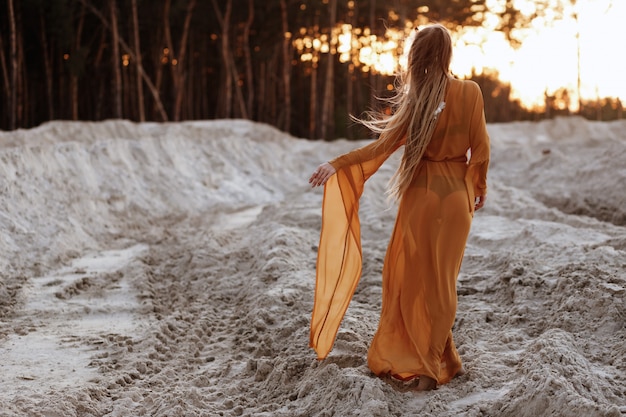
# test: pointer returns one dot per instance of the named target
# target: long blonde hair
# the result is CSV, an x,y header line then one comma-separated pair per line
x,y
419,92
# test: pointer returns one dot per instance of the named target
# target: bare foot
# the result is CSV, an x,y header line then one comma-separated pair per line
x,y
402,378
426,384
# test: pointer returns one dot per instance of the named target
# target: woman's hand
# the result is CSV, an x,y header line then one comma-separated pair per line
x,y
480,202
322,174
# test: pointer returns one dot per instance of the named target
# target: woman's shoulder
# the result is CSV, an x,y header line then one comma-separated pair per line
x,y
466,84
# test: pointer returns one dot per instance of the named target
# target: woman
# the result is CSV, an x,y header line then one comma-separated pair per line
x,y
440,182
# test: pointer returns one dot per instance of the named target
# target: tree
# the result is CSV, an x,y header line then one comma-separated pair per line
x,y
224,108
137,48
77,63
248,59
115,62
328,122
274,61
129,51
5,76
177,62
12,102
47,65
286,76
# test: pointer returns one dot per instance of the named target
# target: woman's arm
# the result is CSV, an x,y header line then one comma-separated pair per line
x,y
365,153
480,149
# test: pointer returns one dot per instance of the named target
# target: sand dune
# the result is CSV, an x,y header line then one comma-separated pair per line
x,y
168,270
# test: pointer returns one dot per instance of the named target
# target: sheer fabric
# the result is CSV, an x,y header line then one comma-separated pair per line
x,y
424,255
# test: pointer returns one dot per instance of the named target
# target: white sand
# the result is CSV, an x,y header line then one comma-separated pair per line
x,y
168,270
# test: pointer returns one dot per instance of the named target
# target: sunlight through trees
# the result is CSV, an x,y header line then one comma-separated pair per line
x,y
301,66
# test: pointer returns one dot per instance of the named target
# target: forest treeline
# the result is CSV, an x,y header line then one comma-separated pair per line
x,y
172,60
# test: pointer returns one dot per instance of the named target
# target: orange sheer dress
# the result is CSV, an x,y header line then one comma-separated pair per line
x,y
424,255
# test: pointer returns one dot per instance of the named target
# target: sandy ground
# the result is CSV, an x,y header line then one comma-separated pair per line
x,y
168,270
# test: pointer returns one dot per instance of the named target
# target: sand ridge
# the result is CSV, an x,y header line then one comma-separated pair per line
x,y
168,270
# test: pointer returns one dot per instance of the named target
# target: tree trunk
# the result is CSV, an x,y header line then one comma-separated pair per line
x,y
74,70
225,103
262,92
313,99
137,48
372,76
13,60
160,62
97,63
128,101
117,74
313,105
349,94
328,110
241,109
232,75
204,84
171,55
5,82
21,100
248,57
286,125
189,104
129,51
47,67
178,67
349,80
270,97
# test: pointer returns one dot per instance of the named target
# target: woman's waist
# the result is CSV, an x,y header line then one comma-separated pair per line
x,y
447,167
457,159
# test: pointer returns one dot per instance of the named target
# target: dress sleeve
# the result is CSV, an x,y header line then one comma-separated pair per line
x,y
479,145
369,152
339,255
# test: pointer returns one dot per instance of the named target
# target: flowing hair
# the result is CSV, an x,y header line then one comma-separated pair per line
x,y
418,100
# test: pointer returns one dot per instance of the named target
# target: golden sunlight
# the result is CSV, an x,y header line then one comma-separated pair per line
x,y
572,52
548,58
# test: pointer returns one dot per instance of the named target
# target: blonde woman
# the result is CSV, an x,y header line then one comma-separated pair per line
x,y
440,182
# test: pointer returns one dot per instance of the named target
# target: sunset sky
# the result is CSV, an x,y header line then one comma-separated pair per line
x,y
547,58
